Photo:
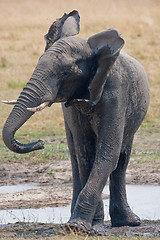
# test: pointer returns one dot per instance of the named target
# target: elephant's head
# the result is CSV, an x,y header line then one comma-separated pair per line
x,y
71,69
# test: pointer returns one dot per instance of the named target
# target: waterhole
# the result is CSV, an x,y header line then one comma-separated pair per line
x,y
144,200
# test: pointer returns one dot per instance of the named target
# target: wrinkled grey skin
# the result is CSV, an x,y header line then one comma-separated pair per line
x,y
105,96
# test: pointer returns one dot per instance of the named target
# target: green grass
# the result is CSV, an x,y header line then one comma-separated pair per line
x,y
58,151
3,62
145,148
145,158
16,85
55,151
55,147
2,65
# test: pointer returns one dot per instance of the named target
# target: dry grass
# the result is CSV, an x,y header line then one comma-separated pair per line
x,y
23,24
76,237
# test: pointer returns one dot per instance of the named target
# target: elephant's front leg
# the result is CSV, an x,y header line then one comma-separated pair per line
x,y
109,142
107,155
89,201
82,145
85,154
82,162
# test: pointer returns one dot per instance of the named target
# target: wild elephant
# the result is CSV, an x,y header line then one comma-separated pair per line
x,y
105,96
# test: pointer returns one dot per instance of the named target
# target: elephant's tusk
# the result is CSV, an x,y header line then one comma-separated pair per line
x,y
38,108
10,102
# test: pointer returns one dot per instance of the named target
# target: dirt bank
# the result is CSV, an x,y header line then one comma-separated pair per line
x,y
58,175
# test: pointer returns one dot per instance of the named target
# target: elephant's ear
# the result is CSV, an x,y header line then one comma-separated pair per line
x,y
106,46
67,25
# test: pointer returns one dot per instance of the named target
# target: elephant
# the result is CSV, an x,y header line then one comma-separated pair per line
x,y
105,95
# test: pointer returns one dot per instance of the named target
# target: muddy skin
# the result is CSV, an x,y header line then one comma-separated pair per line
x,y
105,96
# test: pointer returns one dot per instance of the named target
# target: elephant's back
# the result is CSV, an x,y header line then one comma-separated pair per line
x,y
138,92
132,67
135,76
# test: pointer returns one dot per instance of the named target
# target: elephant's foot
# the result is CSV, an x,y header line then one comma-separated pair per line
x,y
78,226
98,221
100,230
124,218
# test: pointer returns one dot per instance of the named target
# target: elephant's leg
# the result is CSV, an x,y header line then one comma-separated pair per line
x,y
85,151
82,146
86,212
75,169
82,150
99,214
108,147
120,212
88,209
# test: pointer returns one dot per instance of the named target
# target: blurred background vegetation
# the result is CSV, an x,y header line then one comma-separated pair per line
x,y
23,24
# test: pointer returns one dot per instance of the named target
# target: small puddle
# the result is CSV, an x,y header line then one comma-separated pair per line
x,y
18,188
143,199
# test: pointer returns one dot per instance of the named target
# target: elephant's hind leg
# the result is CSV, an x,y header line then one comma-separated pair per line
x,y
120,212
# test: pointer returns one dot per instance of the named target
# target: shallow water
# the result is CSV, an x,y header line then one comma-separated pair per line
x,y
17,188
144,200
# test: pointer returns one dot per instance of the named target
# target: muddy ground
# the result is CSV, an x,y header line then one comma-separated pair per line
x,y
147,229
59,193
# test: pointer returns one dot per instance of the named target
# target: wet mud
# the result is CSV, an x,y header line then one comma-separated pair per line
x,y
36,230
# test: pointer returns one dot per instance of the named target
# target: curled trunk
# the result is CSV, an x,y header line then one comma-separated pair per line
x,y
29,98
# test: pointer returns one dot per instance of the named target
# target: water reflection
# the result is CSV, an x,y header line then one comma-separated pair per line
x,y
42,215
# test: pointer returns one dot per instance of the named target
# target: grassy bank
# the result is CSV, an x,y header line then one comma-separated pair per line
x,y
145,150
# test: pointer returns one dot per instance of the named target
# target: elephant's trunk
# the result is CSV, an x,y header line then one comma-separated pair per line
x,y
15,146
30,97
